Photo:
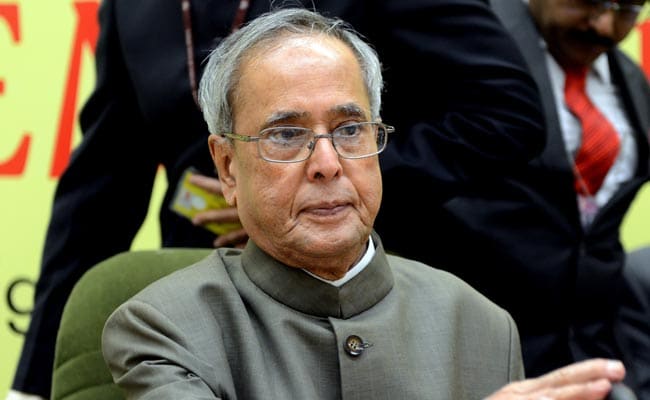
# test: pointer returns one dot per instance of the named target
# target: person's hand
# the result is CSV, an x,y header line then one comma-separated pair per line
x,y
235,238
586,380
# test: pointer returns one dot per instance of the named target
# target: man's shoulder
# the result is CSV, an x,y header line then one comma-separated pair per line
x,y
210,271
452,298
431,281
414,268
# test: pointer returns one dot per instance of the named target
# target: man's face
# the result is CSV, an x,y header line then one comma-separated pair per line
x,y
317,213
578,31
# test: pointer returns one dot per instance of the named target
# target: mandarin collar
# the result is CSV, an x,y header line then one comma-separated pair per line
x,y
304,293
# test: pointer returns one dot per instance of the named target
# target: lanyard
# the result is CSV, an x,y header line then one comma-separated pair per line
x,y
238,20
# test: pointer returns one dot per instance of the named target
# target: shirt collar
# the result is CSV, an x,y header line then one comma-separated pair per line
x,y
600,68
354,271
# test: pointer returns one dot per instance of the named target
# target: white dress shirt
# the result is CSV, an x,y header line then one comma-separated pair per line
x,y
605,95
354,271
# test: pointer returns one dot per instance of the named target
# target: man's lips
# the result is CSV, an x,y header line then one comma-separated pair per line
x,y
326,208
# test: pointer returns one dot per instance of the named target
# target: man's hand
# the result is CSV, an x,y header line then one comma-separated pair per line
x,y
236,238
586,380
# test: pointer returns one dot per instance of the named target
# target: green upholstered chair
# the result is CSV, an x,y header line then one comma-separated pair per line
x,y
79,369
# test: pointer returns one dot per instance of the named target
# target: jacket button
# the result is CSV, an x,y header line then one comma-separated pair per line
x,y
354,345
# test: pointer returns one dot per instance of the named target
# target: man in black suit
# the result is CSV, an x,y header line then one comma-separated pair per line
x,y
548,254
453,75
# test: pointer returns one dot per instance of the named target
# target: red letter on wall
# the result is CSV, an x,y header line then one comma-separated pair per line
x,y
15,165
644,28
86,34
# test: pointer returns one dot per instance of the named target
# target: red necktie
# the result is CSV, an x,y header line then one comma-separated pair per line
x,y
600,142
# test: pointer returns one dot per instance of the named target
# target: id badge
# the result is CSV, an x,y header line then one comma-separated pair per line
x,y
190,199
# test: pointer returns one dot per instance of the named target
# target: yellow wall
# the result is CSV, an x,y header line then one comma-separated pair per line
x,y
36,47
635,232
36,52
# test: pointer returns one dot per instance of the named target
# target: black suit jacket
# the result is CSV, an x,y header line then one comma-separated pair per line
x,y
453,76
517,237
634,317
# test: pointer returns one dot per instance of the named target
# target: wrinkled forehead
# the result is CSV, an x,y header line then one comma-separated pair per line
x,y
318,69
284,39
299,57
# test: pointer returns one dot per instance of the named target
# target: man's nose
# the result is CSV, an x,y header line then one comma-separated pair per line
x,y
324,145
604,22
324,161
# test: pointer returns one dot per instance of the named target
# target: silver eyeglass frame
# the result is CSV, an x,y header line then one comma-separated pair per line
x,y
311,144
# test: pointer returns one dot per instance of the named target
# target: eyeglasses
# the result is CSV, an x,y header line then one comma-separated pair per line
x,y
625,10
288,144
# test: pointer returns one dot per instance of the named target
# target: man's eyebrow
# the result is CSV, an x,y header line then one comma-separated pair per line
x,y
281,117
348,109
284,117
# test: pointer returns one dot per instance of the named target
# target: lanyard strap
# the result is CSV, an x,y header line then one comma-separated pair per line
x,y
238,20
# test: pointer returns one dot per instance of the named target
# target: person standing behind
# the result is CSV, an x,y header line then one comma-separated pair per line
x,y
543,240
597,106
142,114
313,307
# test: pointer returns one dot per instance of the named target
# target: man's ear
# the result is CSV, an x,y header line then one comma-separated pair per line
x,y
222,152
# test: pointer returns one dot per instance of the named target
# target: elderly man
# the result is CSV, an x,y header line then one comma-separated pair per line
x,y
313,308
149,56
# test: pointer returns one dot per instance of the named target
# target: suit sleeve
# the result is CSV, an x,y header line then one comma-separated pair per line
x,y
101,199
516,362
150,358
459,92
103,196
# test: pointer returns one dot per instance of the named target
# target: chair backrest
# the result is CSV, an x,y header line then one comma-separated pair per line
x,y
79,369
